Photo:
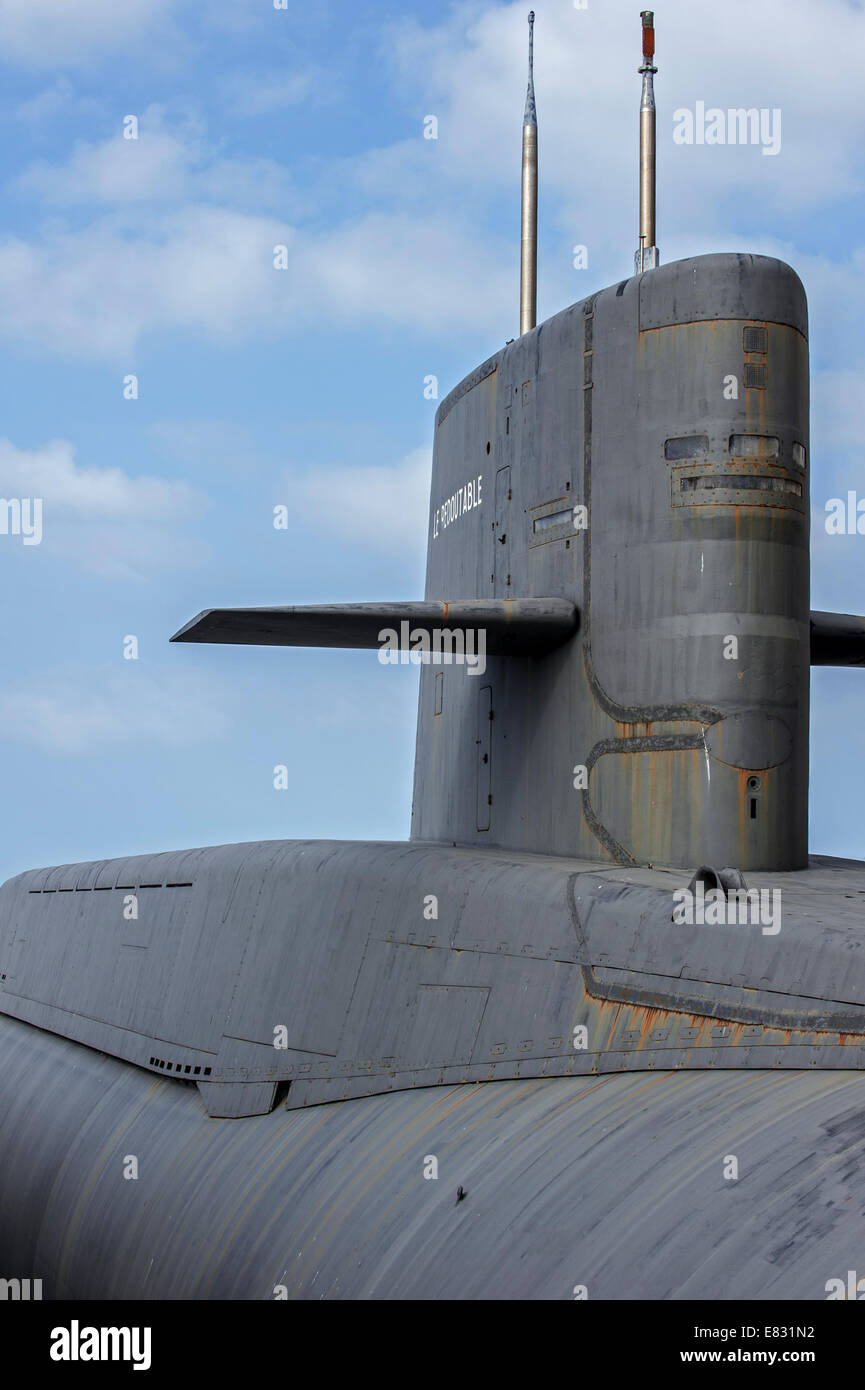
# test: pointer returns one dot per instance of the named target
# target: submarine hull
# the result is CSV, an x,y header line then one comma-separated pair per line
x,y
614,1185
632,1106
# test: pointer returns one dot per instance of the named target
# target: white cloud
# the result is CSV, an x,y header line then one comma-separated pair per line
x,y
90,711
63,32
385,509
410,270
188,241
261,93
259,184
53,474
169,166
94,293
124,551
102,520
801,57
156,167
47,104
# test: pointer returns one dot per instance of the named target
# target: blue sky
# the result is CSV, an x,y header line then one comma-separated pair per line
x,y
154,257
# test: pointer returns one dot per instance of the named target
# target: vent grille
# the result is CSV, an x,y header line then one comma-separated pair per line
x,y
186,1068
755,376
756,339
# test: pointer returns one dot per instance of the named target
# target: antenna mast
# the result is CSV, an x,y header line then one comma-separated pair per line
x,y
529,239
647,256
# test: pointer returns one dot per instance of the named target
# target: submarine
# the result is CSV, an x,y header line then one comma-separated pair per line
x,y
596,1030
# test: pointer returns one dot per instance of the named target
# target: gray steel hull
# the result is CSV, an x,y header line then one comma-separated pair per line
x,y
615,1183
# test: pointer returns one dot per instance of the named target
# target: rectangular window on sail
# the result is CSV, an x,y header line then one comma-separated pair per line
x,y
755,446
544,523
686,446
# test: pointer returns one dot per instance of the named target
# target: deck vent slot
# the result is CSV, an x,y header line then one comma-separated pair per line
x,y
178,1067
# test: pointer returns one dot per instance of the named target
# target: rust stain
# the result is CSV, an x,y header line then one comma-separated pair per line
x,y
652,1018
644,1020
609,1007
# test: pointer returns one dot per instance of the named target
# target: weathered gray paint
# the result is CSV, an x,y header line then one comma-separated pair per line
x,y
334,942
522,627
526,907
615,1183
579,412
